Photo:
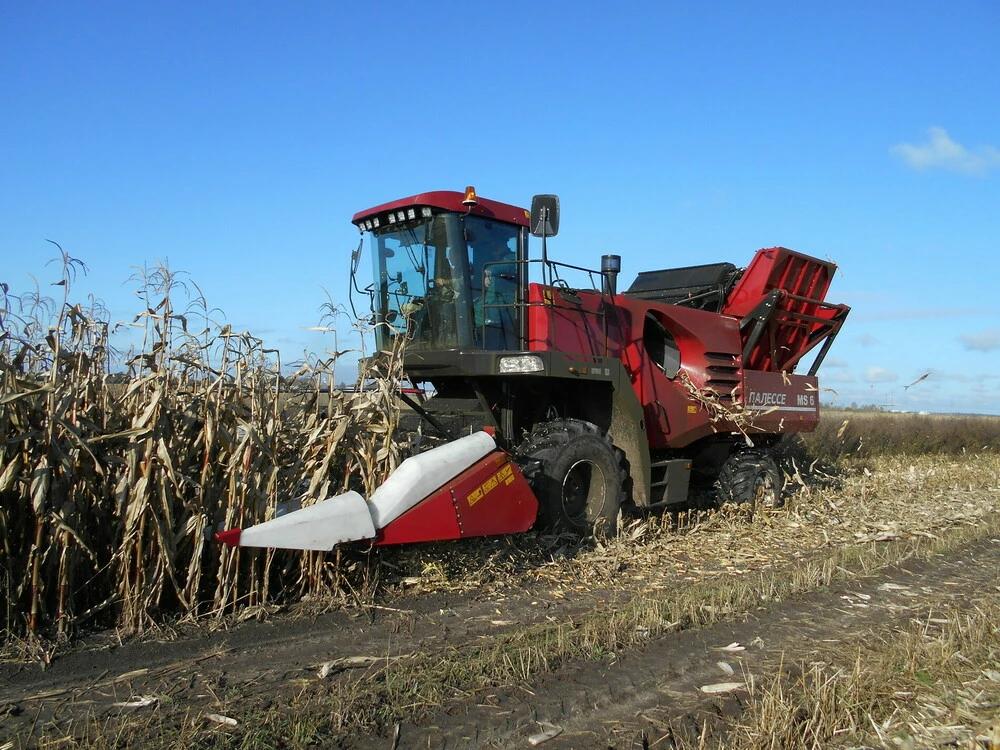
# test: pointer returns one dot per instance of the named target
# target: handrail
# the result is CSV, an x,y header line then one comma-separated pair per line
x,y
600,289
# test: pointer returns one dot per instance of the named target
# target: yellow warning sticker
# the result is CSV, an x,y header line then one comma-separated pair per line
x,y
505,477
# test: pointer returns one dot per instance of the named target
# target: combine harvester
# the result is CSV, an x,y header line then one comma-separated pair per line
x,y
562,405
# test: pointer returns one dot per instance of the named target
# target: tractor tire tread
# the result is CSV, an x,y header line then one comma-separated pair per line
x,y
547,442
737,480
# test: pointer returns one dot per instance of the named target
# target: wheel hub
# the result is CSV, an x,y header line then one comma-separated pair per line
x,y
584,490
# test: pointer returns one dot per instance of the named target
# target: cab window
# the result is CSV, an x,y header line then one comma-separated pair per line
x,y
492,260
661,348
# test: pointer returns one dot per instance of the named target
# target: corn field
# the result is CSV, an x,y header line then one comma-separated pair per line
x,y
115,470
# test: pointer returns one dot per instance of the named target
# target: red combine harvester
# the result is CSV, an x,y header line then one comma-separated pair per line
x,y
563,405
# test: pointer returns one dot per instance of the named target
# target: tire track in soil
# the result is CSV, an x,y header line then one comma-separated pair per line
x,y
261,662
651,691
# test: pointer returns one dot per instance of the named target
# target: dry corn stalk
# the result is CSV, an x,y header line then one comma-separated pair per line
x,y
111,484
729,417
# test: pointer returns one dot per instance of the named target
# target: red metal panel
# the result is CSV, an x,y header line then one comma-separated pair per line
x,y
449,200
779,268
433,519
800,311
491,497
572,323
709,346
781,403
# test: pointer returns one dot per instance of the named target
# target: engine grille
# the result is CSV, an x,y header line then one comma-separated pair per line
x,y
723,374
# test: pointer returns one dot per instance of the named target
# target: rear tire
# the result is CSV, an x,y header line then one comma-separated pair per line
x,y
577,475
751,477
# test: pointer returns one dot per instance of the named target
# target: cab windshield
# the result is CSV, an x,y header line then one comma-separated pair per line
x,y
446,281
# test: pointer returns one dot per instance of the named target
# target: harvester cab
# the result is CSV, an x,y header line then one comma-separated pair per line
x,y
447,272
567,405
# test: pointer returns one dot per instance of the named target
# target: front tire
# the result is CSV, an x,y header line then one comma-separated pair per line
x,y
577,475
751,477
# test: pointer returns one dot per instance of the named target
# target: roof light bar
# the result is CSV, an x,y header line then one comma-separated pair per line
x,y
397,217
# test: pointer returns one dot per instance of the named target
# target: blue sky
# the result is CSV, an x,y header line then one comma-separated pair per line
x,y
236,141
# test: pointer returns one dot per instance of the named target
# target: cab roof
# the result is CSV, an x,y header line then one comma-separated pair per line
x,y
450,200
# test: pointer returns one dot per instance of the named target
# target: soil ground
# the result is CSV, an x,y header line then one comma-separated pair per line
x,y
636,697
621,701
260,661
652,694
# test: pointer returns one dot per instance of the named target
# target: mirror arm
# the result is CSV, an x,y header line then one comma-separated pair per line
x,y
353,286
545,251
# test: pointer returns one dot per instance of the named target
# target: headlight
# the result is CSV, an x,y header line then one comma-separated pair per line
x,y
521,363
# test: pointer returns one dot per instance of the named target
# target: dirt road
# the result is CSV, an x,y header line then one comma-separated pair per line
x,y
617,701
652,693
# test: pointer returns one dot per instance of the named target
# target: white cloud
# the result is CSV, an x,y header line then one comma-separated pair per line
x,y
866,339
941,152
836,376
880,375
984,341
834,363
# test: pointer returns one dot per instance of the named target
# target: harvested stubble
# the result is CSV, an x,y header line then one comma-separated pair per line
x,y
725,564
743,564
923,685
883,499
111,485
588,600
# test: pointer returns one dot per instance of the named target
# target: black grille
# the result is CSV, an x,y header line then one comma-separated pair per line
x,y
723,374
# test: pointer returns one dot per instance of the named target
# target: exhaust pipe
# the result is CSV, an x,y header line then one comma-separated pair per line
x,y
611,265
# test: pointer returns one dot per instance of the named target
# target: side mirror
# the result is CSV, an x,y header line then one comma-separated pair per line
x,y
545,215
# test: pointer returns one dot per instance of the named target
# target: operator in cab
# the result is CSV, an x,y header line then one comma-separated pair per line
x,y
494,285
